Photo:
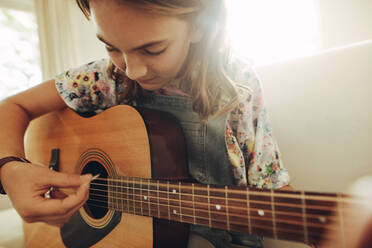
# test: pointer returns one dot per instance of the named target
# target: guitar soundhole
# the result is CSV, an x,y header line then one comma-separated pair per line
x,y
97,204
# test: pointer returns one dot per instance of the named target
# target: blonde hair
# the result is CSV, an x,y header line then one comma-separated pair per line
x,y
204,76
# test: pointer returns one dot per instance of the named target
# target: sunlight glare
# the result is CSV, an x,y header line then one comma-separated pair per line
x,y
267,31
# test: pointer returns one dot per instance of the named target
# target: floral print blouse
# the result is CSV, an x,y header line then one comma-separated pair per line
x,y
249,138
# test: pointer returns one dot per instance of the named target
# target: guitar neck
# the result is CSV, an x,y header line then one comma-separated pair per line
x,y
288,215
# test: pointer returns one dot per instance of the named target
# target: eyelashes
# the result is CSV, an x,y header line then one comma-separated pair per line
x,y
154,53
144,51
110,49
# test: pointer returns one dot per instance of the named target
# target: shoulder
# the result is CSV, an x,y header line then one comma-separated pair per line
x,y
87,87
98,67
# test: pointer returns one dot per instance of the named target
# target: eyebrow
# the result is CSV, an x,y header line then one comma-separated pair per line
x,y
136,48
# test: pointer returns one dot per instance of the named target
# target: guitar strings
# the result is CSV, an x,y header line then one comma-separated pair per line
x,y
314,232
316,236
309,205
326,212
318,217
280,193
165,214
269,212
311,218
212,198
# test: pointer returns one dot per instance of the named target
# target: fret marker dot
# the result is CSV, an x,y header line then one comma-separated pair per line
x,y
174,191
218,207
261,212
175,211
145,197
322,219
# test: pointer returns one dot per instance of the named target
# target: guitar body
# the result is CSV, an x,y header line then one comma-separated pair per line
x,y
121,141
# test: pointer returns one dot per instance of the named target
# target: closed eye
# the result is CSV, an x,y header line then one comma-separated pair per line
x,y
111,49
152,53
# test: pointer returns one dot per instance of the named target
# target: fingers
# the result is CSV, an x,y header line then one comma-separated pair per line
x,y
56,194
59,211
63,180
27,194
62,206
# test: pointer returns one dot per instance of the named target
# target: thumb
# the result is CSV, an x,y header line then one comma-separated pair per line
x,y
64,180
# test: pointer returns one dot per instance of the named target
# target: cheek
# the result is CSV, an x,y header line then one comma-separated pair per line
x,y
118,60
170,64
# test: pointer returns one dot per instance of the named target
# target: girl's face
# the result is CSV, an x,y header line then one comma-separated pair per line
x,y
149,48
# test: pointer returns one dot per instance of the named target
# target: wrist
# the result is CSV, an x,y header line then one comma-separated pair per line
x,y
7,160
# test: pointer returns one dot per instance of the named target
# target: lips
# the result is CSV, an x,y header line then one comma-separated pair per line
x,y
146,81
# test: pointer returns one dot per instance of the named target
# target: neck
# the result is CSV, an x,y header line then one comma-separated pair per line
x,y
288,215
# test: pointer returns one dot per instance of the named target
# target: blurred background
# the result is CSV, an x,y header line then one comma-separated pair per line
x,y
314,59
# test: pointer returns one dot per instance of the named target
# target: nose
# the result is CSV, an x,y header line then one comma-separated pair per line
x,y
135,67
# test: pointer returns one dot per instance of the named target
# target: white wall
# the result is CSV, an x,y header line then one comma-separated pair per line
x,y
90,48
320,105
344,22
26,5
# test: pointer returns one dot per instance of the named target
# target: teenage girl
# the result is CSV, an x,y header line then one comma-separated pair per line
x,y
174,52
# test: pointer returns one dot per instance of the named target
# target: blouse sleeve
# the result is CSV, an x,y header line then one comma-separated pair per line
x,y
87,88
255,138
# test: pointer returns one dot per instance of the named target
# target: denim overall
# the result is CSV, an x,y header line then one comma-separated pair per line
x,y
207,157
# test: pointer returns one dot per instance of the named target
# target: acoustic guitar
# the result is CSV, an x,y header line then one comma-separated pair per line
x,y
143,197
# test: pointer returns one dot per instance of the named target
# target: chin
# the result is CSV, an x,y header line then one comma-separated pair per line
x,y
151,87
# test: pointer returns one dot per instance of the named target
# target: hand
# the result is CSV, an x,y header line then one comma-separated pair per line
x,y
26,185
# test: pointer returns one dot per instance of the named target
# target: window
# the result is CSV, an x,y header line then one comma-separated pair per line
x,y
20,53
267,31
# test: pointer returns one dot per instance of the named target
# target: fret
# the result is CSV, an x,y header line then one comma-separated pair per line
x,y
122,194
304,217
193,204
227,209
149,198
201,205
127,190
289,215
141,197
260,212
236,209
341,219
209,208
169,216
273,214
248,212
158,197
134,200
163,200
321,214
180,199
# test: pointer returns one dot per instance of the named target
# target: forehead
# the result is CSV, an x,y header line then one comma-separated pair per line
x,y
126,25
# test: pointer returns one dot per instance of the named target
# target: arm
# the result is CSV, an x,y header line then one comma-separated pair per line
x,y
24,183
17,111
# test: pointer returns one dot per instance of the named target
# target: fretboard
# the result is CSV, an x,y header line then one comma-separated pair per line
x,y
288,215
